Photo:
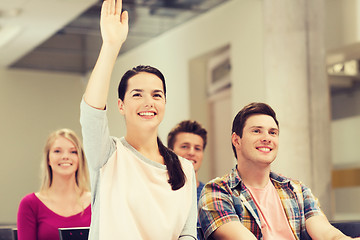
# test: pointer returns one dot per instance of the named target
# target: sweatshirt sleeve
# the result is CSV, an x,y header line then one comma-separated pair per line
x,y
189,231
98,145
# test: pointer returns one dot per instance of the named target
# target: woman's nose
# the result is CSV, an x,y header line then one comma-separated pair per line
x,y
149,102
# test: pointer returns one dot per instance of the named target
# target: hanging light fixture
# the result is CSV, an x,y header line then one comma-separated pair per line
x,y
9,31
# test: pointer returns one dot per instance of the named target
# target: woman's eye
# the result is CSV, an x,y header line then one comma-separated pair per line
x,y
137,95
256,130
273,133
158,95
56,151
74,152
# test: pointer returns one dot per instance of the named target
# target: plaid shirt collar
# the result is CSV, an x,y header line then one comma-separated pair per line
x,y
280,182
235,179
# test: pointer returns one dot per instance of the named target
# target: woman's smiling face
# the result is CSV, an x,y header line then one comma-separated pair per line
x,y
63,157
144,101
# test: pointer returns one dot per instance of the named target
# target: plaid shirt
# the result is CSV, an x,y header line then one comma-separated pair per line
x,y
227,199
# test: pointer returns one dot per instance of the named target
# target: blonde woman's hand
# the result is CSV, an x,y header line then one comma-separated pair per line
x,y
113,24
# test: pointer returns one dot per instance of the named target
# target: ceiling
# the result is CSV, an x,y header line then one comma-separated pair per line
x,y
64,35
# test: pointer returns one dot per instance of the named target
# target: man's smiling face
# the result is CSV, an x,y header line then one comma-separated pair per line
x,y
259,141
190,146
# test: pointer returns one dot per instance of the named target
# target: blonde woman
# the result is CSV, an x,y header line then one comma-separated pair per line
x,y
64,197
140,188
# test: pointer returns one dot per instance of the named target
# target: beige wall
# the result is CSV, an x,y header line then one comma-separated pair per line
x,y
345,134
342,23
35,103
236,23
343,29
32,105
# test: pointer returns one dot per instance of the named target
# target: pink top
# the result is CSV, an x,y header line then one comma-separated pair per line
x,y
35,221
274,223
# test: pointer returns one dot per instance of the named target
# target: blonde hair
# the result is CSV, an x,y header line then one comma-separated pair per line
x,y
82,174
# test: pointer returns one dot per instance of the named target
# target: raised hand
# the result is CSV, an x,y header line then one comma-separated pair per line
x,y
114,29
113,24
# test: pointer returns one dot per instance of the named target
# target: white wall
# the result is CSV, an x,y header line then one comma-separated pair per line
x,y
32,105
36,103
345,141
343,29
342,23
345,135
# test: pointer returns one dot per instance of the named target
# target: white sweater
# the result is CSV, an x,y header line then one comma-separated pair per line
x,y
131,196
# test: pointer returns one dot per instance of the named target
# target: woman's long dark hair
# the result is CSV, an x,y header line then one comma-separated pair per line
x,y
172,162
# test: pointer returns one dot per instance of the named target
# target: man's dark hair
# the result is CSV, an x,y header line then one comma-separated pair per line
x,y
188,126
246,112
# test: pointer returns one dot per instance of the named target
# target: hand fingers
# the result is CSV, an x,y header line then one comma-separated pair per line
x,y
125,18
107,6
118,7
104,8
111,8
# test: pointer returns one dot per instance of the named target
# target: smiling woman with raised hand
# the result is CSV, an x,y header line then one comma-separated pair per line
x,y
140,189
64,198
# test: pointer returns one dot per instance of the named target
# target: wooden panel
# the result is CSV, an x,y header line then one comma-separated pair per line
x,y
346,178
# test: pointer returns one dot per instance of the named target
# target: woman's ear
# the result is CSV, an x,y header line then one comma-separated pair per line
x,y
121,106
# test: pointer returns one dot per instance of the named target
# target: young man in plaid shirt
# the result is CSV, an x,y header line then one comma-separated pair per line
x,y
252,202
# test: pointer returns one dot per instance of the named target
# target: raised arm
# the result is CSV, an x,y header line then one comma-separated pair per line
x,y
114,29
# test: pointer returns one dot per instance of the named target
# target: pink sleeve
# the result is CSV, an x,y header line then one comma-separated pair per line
x,y
27,218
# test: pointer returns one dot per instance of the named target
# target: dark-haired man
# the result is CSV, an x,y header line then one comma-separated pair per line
x,y
252,202
188,140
